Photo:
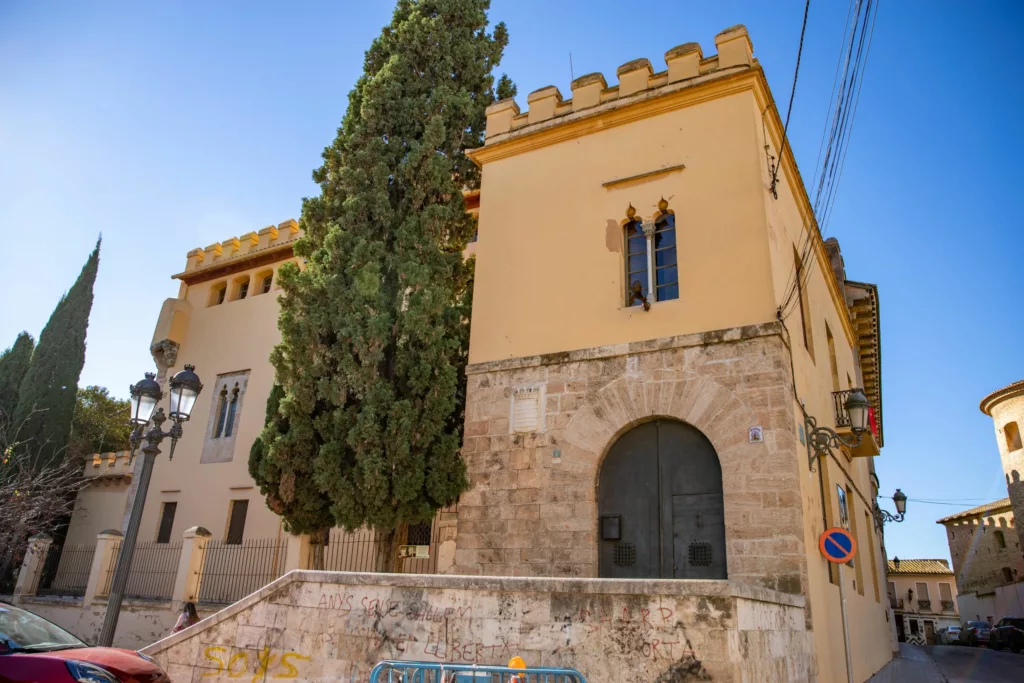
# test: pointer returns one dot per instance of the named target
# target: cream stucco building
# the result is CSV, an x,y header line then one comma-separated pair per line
x,y
922,594
650,325
651,329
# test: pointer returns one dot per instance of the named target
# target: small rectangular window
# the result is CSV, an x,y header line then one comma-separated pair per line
x,y
833,363
805,304
243,290
891,589
166,522
1012,434
922,591
236,522
913,627
945,592
267,281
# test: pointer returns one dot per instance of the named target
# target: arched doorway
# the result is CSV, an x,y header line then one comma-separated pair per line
x,y
660,505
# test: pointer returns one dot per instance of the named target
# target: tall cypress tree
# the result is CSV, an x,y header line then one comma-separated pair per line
x,y
374,329
46,401
14,364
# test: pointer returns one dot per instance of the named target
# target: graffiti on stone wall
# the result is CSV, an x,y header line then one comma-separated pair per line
x,y
260,666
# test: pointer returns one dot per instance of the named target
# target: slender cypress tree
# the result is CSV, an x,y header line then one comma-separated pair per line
x,y
375,328
46,401
14,364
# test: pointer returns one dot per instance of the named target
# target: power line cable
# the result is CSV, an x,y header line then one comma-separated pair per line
x,y
792,96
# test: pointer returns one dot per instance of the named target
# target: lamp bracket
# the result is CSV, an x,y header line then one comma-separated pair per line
x,y
821,440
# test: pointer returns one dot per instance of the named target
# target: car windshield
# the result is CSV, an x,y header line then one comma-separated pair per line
x,y
24,631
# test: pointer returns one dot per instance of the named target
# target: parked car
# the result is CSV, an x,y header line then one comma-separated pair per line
x,y
974,633
947,635
33,650
1008,632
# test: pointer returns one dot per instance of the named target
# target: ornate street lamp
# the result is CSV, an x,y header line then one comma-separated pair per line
x,y
899,499
821,440
145,395
896,562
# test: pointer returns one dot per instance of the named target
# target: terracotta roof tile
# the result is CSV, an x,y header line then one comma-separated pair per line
x,y
980,510
920,567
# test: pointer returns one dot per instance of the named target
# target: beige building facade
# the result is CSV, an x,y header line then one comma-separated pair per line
x,y
651,330
922,594
636,400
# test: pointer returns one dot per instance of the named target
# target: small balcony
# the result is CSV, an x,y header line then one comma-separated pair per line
x,y
895,603
947,606
924,605
869,443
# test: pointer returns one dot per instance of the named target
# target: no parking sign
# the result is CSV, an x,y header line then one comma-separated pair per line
x,y
837,545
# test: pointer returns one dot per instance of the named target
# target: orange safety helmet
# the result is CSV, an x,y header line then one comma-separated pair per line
x,y
517,663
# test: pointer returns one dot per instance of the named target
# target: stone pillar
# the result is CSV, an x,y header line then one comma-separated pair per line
x,y
108,542
299,554
190,564
32,565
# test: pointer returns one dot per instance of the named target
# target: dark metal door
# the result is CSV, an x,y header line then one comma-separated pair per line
x,y
660,505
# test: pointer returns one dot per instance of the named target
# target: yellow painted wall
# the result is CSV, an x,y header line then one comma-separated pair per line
x,y
550,279
869,630
550,274
234,336
99,506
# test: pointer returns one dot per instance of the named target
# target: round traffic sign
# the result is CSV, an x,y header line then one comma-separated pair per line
x,y
837,545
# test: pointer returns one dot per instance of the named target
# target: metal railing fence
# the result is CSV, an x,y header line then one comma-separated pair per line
x,y
367,551
434,672
66,570
232,571
152,573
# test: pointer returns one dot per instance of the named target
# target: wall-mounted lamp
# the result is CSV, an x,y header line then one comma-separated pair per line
x,y
899,499
821,440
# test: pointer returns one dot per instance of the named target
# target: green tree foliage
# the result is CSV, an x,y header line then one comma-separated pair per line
x,y
374,329
100,424
46,402
14,364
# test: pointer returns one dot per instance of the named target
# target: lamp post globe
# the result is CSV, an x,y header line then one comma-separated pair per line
x,y
896,562
145,394
857,406
185,388
900,500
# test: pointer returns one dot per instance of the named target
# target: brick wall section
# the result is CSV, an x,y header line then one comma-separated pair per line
x,y
978,560
528,513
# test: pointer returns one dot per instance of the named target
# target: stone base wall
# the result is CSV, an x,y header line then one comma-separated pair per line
x,y
532,510
334,626
141,622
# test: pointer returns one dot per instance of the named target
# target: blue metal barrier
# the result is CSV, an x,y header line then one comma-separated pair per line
x,y
391,671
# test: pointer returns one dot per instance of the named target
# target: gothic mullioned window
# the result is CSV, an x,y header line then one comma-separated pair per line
x,y
222,411
232,406
652,269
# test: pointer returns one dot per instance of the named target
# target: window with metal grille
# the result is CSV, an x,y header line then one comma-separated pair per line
x,y
666,270
624,555
699,554
419,534
652,272
636,262
166,522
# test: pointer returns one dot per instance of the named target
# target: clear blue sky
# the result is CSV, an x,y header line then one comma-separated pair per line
x,y
168,126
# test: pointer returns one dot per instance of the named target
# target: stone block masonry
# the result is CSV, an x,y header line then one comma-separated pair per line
x,y
532,506
334,626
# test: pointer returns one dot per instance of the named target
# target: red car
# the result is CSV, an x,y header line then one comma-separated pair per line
x,y
32,650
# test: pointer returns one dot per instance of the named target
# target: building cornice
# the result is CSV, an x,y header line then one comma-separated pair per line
x,y
996,397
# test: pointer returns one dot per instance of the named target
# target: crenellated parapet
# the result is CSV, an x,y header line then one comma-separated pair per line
x,y
685,64
108,465
237,248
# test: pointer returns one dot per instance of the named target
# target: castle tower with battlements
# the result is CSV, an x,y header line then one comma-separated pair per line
x,y
650,324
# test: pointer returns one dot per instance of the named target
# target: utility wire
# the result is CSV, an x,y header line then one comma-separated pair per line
x,y
792,96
